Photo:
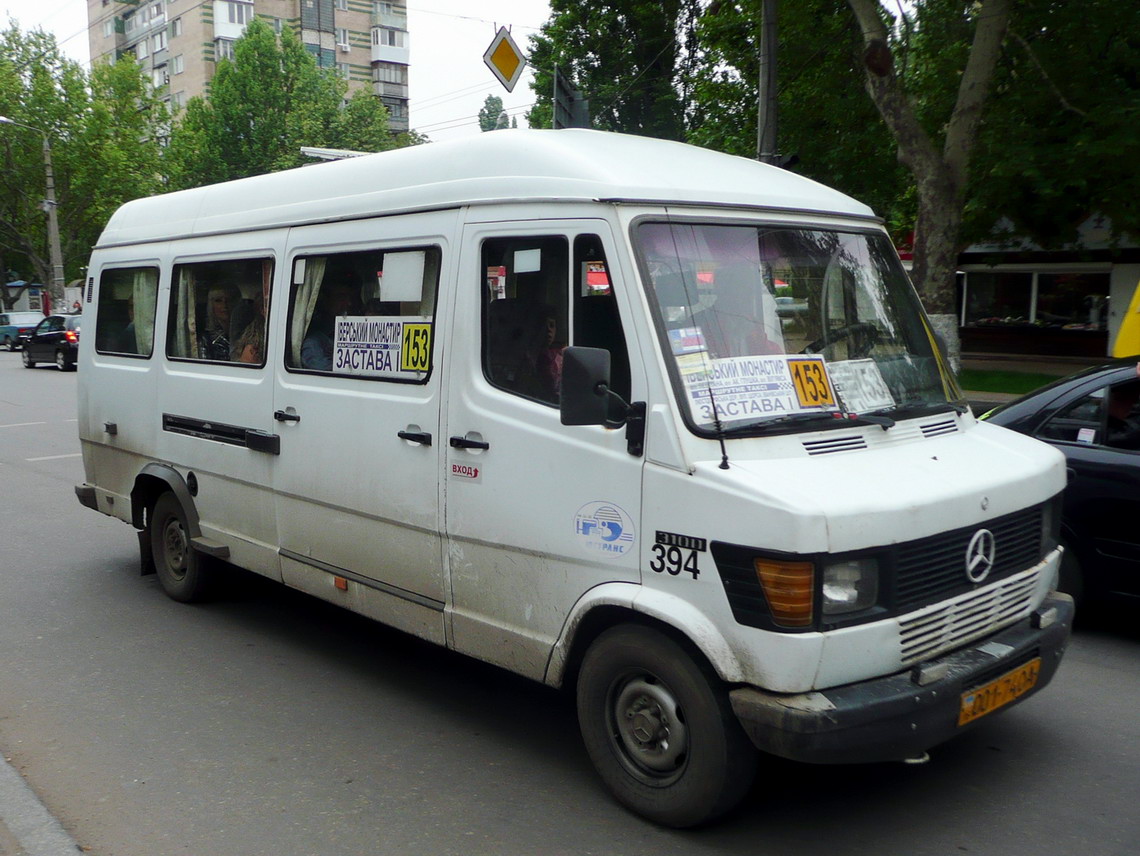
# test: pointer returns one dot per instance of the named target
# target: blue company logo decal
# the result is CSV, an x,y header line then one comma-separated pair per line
x,y
604,528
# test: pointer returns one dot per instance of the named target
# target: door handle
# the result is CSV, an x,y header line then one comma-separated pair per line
x,y
464,443
282,416
421,437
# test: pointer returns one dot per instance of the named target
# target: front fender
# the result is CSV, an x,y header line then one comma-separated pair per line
x,y
667,609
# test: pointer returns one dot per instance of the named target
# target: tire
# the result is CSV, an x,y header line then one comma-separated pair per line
x,y
8,344
29,363
659,729
63,361
184,574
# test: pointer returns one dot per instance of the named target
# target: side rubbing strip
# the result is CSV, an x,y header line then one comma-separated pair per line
x,y
235,435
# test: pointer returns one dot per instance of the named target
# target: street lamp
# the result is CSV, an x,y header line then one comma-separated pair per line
x,y
57,294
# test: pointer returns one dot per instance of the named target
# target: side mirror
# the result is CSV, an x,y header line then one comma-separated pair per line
x,y
585,386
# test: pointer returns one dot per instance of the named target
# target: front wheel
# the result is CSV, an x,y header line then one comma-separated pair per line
x,y
7,344
182,572
659,728
29,363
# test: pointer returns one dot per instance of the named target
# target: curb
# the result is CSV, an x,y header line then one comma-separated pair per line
x,y
27,821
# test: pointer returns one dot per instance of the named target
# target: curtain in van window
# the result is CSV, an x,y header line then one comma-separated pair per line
x,y
144,291
304,305
185,339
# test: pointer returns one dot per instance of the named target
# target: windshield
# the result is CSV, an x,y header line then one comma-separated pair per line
x,y
777,328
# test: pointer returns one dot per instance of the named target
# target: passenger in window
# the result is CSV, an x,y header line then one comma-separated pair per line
x,y
317,347
548,359
214,341
249,347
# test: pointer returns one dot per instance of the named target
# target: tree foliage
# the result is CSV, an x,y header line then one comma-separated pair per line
x,y
103,129
492,116
631,57
263,106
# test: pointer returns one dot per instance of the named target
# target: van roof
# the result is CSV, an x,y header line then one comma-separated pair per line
x,y
506,165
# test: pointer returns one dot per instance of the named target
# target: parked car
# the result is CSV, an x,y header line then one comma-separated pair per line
x,y
17,326
1093,417
55,339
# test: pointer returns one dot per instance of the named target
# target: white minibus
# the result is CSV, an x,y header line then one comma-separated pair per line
x,y
661,426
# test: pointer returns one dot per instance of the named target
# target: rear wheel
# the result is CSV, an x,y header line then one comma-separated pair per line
x,y
29,363
183,573
659,728
63,361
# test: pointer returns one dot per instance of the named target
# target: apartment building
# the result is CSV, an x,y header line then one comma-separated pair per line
x,y
179,42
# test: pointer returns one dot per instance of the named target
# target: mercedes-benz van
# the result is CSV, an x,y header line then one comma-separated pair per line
x,y
664,427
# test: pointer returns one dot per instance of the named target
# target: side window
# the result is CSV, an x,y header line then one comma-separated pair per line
x,y
126,310
525,313
1122,428
364,314
218,311
597,323
1079,422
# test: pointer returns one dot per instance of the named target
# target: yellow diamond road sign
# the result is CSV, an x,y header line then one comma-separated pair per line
x,y
505,59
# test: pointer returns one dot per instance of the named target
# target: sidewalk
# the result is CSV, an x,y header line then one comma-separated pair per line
x,y
26,827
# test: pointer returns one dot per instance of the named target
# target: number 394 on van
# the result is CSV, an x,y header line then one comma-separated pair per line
x,y
663,427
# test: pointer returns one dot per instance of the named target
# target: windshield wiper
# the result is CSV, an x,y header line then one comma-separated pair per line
x,y
916,407
796,420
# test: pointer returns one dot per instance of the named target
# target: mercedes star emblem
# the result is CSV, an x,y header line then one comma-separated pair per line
x,y
980,556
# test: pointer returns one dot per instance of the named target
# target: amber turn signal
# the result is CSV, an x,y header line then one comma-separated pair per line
x,y
789,588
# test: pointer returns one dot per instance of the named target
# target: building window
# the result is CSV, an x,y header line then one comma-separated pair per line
x,y
342,69
388,37
240,13
160,41
341,5
342,35
176,28
223,49
276,24
382,8
160,77
178,100
390,72
176,65
108,28
142,49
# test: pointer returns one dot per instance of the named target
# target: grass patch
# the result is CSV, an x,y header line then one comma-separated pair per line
x,y
990,380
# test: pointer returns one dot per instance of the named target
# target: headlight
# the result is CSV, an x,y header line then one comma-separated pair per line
x,y
850,586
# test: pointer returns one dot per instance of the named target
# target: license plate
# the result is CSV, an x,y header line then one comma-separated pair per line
x,y
999,692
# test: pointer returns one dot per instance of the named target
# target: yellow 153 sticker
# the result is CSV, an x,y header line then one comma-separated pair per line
x,y
415,348
812,386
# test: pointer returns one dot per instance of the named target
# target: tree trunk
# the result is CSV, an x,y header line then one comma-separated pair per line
x,y
940,176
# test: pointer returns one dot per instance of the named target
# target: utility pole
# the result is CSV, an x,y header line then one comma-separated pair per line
x,y
57,283
767,109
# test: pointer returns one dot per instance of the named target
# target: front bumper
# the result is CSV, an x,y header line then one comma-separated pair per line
x,y
901,716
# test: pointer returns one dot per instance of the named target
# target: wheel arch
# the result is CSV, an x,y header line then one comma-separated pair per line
x,y
612,604
154,480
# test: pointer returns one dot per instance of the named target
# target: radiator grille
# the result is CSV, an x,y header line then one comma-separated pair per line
x,y
930,569
963,619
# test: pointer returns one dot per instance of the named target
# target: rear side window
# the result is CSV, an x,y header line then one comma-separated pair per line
x,y
364,314
218,311
126,309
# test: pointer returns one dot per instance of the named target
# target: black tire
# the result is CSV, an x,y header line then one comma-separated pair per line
x,y
184,574
63,361
29,363
7,344
659,729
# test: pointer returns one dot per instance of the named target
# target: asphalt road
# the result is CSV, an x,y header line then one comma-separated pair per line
x,y
270,723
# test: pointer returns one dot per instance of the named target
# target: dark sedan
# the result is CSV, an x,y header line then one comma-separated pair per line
x,y
1093,417
55,340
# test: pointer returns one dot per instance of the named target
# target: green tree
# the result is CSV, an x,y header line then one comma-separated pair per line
x,y
103,130
492,116
263,106
631,58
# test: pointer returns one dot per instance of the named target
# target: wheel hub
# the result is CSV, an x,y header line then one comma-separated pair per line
x,y
650,728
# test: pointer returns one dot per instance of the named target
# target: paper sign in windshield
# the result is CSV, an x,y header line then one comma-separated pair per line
x,y
860,385
377,346
756,386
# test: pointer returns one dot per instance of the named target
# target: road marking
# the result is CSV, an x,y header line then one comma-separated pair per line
x,y
56,457
21,424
